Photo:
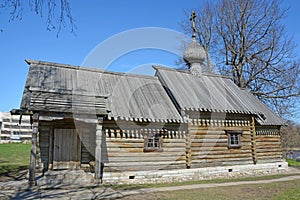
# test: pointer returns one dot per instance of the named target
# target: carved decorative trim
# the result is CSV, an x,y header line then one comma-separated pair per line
x,y
220,123
139,133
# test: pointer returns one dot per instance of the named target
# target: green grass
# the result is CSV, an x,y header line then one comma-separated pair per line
x,y
14,156
274,191
293,163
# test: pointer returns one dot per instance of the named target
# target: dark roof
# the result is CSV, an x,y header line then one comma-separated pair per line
x,y
213,93
65,88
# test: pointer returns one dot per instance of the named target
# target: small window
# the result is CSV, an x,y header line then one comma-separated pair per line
x,y
234,139
153,141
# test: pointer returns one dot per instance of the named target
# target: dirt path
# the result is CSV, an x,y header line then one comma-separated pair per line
x,y
209,185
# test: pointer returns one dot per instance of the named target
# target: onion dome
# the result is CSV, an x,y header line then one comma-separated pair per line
x,y
194,53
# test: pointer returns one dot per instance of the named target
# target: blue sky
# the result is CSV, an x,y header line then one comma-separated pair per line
x,y
96,21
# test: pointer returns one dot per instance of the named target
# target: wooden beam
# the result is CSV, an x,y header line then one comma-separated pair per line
x,y
98,150
253,140
188,150
32,167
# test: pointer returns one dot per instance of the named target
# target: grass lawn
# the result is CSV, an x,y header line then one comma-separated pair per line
x,y
293,163
274,191
14,156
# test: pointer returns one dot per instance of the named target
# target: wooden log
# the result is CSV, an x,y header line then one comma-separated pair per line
x,y
269,154
188,150
144,167
128,140
98,150
225,157
277,158
141,158
141,164
230,161
208,136
214,163
148,154
269,147
267,139
32,167
231,151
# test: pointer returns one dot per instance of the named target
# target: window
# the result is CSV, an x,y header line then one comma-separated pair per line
x,y
153,141
234,139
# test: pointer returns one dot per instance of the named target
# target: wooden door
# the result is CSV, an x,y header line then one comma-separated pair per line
x,y
66,149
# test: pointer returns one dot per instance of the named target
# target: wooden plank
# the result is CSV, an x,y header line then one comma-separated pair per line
x,y
65,148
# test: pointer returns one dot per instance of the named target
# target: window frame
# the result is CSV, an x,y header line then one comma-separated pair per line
x,y
154,136
234,139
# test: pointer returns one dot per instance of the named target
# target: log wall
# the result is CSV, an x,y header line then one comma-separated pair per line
x,y
209,143
43,146
268,144
199,143
210,148
125,148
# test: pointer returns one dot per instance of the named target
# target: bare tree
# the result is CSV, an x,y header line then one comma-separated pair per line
x,y
253,48
58,12
290,137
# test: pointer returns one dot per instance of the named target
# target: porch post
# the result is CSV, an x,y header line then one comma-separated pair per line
x,y
98,150
32,167
253,140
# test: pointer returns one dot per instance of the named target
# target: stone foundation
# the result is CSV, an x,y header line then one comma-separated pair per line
x,y
208,173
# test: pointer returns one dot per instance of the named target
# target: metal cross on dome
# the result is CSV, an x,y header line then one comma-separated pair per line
x,y
192,19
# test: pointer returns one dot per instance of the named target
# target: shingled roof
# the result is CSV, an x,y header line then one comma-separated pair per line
x,y
53,87
213,93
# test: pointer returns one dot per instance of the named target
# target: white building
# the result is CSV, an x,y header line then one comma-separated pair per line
x,y
11,130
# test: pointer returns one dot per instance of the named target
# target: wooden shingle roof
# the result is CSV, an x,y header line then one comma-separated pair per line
x,y
56,87
213,93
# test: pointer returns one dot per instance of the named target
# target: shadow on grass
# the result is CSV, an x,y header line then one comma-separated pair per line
x,y
13,173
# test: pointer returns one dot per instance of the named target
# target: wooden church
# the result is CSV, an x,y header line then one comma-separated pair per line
x,y
126,127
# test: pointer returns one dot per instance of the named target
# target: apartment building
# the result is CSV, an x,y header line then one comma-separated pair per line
x,y
12,129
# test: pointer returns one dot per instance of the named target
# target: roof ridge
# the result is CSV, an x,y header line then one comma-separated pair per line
x,y
156,67
83,68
